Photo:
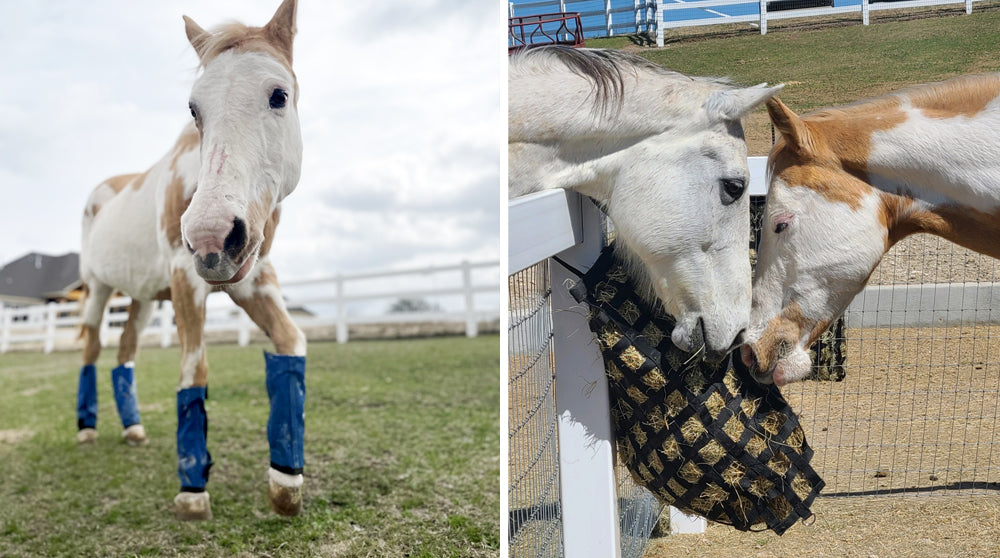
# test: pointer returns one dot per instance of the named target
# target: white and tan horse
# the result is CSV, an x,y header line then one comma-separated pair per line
x,y
202,219
848,183
664,155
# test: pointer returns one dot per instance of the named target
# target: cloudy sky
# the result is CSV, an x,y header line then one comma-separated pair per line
x,y
400,107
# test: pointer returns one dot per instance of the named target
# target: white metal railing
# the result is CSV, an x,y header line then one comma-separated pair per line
x,y
55,323
618,16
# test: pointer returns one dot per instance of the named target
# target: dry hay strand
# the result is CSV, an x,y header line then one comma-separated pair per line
x,y
749,406
695,381
691,472
715,403
629,311
731,382
756,445
734,429
734,473
636,395
632,358
605,292
801,487
779,507
759,487
639,434
655,463
712,495
654,379
692,430
796,440
609,336
652,334
772,422
655,420
779,463
675,403
671,449
712,452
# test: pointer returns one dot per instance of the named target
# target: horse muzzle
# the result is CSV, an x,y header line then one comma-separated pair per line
x,y
221,254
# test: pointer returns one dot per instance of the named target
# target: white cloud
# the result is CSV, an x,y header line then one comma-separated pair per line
x,y
400,109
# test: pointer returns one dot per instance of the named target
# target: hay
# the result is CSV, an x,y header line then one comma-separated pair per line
x,y
706,439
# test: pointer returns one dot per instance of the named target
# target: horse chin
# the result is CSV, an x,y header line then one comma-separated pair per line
x,y
239,275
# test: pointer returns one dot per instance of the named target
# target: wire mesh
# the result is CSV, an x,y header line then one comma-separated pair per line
x,y
534,515
917,411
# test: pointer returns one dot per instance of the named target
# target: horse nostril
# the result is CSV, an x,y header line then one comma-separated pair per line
x,y
236,239
210,260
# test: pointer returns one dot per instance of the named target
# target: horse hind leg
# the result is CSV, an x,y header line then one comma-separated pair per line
x,y
123,377
90,331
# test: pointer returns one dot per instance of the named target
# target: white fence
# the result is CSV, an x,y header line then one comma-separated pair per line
x,y
611,17
472,287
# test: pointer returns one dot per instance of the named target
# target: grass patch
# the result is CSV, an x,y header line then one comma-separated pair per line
x,y
836,65
402,456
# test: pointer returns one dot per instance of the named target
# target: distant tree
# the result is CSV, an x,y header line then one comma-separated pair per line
x,y
404,305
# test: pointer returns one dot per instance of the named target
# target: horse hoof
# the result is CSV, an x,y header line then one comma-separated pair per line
x,y
86,436
192,506
135,435
285,493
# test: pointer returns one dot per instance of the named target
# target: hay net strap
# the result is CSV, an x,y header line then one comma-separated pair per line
x,y
673,416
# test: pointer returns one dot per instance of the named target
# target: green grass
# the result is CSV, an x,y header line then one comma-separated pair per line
x,y
836,65
402,456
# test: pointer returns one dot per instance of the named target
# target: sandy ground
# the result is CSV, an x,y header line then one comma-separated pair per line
x,y
866,527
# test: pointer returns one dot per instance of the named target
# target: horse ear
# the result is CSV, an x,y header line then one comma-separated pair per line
x,y
281,29
792,128
197,36
733,104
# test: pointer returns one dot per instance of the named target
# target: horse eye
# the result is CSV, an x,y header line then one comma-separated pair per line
x,y
780,227
193,113
278,98
732,190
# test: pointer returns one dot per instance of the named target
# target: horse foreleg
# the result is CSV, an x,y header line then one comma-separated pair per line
x,y
285,378
123,377
90,330
193,460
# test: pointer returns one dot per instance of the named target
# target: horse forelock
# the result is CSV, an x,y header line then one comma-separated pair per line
x,y
606,70
238,37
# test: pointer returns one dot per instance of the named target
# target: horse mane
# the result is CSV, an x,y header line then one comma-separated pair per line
x,y
604,68
240,37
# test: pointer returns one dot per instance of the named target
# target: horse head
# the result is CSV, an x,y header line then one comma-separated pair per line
x,y
823,233
244,105
680,208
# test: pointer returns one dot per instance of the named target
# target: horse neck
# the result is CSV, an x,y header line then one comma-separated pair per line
x,y
966,226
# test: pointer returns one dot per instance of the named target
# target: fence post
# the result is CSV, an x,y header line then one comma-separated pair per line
x,y
968,7
586,447
471,325
763,17
607,18
4,328
659,25
166,323
638,20
243,328
50,327
864,12
341,311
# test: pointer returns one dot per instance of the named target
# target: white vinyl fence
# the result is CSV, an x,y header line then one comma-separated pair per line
x,y
605,18
466,293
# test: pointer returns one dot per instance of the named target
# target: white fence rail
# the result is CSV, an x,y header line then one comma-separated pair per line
x,y
649,16
54,324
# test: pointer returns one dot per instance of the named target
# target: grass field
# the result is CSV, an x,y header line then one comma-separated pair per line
x,y
837,65
402,456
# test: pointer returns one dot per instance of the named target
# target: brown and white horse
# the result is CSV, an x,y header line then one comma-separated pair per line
x,y
200,220
848,183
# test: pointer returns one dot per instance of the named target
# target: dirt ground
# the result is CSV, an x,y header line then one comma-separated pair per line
x,y
954,525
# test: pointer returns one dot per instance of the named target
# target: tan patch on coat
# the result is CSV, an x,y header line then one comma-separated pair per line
x,y
129,342
91,343
270,315
831,147
269,228
965,226
190,318
783,333
175,203
189,140
964,96
258,217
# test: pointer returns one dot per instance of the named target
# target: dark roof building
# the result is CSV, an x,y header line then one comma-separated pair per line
x,y
36,278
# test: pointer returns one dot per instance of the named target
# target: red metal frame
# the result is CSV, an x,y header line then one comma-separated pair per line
x,y
528,31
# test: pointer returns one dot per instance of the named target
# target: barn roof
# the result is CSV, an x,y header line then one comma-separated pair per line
x,y
38,277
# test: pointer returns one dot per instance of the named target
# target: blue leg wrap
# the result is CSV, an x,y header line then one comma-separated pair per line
x,y
86,398
193,459
123,380
286,388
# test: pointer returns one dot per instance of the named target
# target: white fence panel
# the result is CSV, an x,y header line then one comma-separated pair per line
x,y
57,324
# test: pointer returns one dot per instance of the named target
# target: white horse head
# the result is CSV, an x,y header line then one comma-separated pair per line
x,y
244,104
664,155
